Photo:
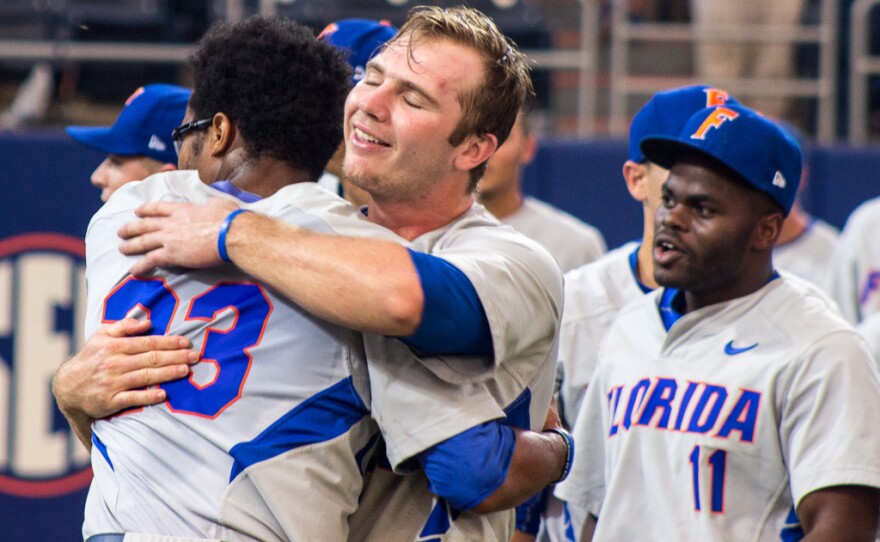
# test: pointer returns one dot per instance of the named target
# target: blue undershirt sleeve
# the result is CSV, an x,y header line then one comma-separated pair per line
x,y
470,466
454,321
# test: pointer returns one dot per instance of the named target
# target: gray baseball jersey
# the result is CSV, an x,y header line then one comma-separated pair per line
x,y
571,241
594,294
809,255
854,275
716,429
265,440
870,330
520,287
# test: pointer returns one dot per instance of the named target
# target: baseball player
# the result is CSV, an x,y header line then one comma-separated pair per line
x,y
361,39
596,292
727,405
572,242
138,144
853,278
528,352
240,438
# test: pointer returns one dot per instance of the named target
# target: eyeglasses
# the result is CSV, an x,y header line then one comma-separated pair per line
x,y
178,133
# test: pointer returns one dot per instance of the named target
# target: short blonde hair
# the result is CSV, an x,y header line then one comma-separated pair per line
x,y
491,108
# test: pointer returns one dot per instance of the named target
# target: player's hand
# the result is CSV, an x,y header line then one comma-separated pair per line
x,y
175,234
105,376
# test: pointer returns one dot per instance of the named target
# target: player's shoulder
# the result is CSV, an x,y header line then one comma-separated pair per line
x,y
864,218
182,185
561,219
825,231
605,284
313,206
637,326
476,229
800,312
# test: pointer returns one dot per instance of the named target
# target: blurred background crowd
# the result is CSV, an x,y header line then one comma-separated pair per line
x,y
808,62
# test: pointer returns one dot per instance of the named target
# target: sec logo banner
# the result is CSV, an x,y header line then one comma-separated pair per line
x,y
42,309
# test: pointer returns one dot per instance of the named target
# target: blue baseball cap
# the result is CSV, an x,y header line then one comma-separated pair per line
x,y
754,147
667,111
143,127
362,39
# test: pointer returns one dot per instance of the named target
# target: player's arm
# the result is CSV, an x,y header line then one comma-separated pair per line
x,y
113,368
495,467
840,514
370,285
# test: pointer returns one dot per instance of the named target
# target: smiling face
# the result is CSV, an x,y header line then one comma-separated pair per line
x,y
711,236
399,118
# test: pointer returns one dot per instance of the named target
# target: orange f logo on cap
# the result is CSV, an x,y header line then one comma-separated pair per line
x,y
716,118
716,96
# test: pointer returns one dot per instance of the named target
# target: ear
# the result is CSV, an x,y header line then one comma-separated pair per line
x,y
474,150
529,148
767,231
636,176
221,135
167,167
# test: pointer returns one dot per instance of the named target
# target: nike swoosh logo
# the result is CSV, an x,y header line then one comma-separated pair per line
x,y
731,350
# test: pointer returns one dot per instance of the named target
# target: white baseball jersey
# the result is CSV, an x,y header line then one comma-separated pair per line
x,y
265,440
854,275
808,256
716,429
870,330
520,287
571,241
594,294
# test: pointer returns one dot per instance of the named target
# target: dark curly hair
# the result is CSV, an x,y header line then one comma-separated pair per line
x,y
282,88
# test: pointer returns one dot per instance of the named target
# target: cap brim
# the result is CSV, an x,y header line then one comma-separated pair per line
x,y
665,151
99,138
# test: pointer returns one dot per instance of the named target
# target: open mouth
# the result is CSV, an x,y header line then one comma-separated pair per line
x,y
665,251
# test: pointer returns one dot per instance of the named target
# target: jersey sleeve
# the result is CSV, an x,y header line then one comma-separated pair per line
x,y
585,485
414,408
453,320
519,286
827,438
470,466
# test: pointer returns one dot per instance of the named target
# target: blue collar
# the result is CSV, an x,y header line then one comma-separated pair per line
x,y
672,303
634,267
669,301
228,188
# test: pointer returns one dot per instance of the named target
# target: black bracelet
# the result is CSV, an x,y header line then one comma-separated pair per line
x,y
569,450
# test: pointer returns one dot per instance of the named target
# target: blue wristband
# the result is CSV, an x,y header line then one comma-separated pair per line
x,y
224,229
569,450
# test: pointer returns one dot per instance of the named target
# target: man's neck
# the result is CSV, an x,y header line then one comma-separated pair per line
x,y
502,204
264,176
410,219
747,285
